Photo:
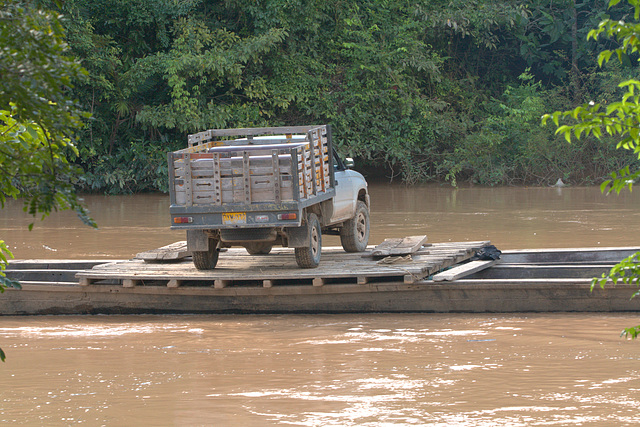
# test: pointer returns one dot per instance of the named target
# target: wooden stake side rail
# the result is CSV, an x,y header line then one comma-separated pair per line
x,y
252,170
237,268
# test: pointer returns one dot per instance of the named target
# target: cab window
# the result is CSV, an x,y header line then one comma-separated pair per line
x,y
338,164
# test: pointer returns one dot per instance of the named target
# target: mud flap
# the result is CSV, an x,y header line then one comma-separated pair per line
x,y
197,240
298,237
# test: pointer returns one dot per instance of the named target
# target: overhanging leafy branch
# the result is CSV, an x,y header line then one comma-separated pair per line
x,y
619,119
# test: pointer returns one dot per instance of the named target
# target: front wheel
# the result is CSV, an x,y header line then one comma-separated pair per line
x,y
354,234
309,256
207,260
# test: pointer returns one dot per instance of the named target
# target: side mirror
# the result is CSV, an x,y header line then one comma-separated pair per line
x,y
349,163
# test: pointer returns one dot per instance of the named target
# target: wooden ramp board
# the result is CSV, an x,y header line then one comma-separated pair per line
x,y
237,268
172,252
463,270
399,246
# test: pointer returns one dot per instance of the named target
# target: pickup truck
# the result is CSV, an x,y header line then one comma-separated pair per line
x,y
260,187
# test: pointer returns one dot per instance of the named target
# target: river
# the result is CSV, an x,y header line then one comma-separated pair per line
x,y
511,217
316,370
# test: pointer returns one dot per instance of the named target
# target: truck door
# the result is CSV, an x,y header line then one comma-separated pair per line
x,y
344,202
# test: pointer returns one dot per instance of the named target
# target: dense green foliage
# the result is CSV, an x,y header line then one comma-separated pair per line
x,y
426,90
619,119
37,117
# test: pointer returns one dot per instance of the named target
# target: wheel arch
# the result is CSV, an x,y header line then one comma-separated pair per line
x,y
363,195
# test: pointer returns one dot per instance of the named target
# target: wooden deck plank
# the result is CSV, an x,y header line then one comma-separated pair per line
x,y
237,265
281,269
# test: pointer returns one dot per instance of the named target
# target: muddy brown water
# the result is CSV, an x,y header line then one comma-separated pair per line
x,y
512,218
316,370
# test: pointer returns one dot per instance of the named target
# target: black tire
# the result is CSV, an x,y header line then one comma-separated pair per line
x,y
309,256
354,234
207,260
258,248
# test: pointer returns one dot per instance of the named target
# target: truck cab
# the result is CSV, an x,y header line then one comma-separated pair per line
x,y
350,187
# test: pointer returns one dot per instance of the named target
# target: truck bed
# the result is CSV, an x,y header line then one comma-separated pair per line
x,y
246,169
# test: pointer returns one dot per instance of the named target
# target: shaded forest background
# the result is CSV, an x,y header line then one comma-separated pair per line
x,y
417,91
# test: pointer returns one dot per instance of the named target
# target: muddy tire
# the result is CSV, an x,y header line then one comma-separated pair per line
x,y
258,248
309,256
207,260
354,234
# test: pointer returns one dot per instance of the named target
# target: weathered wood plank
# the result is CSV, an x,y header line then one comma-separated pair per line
x,y
188,189
174,251
415,275
319,281
228,171
173,283
221,283
217,183
277,181
399,246
257,131
463,270
129,283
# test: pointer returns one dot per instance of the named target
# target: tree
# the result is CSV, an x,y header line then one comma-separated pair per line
x,y
619,119
408,86
37,118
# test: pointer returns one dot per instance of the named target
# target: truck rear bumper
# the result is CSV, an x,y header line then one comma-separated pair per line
x,y
228,218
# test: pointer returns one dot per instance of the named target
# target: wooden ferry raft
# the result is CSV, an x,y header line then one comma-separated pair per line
x,y
536,280
402,260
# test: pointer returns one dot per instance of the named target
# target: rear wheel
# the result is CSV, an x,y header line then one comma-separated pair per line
x,y
309,256
207,260
354,234
258,248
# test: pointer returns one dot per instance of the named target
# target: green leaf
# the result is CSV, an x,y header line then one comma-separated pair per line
x,y
604,56
620,119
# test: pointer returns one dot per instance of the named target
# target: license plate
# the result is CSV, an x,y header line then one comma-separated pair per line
x,y
234,218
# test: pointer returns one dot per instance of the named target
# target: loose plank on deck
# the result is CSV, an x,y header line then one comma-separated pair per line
x,y
463,270
399,246
237,267
172,252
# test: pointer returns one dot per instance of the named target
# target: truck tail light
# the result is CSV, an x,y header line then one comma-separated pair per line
x,y
182,220
287,216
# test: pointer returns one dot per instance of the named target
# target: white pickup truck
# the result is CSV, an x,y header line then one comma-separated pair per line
x,y
260,187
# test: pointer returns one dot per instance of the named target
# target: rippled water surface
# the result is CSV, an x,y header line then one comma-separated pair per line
x,y
337,370
377,369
